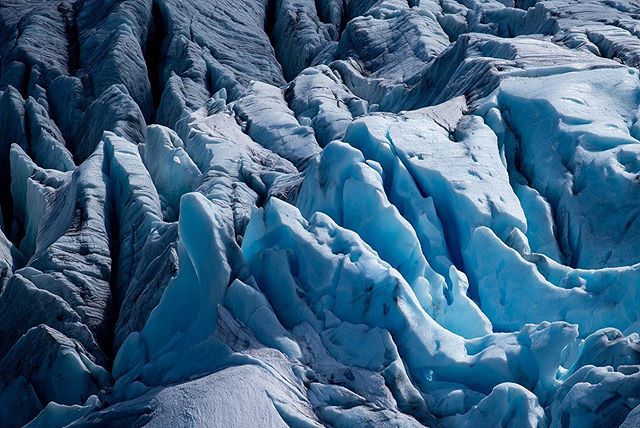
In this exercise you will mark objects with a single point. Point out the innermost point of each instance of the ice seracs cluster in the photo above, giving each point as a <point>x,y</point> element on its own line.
<point>316,213</point>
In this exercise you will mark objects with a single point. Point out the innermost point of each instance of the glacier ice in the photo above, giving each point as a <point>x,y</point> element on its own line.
<point>171,169</point>
<point>135,209</point>
<point>319,97</point>
<point>593,146</point>
<point>351,192</point>
<point>269,120</point>
<point>320,213</point>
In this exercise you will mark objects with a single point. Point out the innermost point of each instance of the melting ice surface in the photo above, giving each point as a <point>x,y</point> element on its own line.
<point>308,213</point>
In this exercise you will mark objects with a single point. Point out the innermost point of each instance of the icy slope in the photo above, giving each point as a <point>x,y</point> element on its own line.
<point>320,213</point>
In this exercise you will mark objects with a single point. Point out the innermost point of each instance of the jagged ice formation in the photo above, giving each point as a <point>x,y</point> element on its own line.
<point>316,213</point>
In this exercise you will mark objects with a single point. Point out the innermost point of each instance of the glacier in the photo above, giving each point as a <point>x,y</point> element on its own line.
<point>307,213</point>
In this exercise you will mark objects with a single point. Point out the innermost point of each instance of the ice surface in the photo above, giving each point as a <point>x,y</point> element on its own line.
<point>172,170</point>
<point>158,264</point>
<point>136,203</point>
<point>319,213</point>
<point>239,49</point>
<point>349,190</point>
<point>592,156</point>
<point>317,95</point>
<point>343,276</point>
<point>460,168</point>
<point>510,403</point>
<point>113,111</point>
<point>10,258</point>
<point>298,28</point>
<point>110,42</point>
<point>79,234</point>
<point>270,123</point>
<point>185,317</point>
<point>63,373</point>
<point>47,142</point>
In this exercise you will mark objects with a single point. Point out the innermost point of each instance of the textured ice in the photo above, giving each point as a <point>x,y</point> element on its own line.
<point>298,27</point>
<point>221,27</point>
<point>270,123</point>
<point>320,213</point>
<point>135,209</point>
<point>113,111</point>
<point>67,376</point>
<point>318,97</point>
<point>351,191</point>
<point>183,323</point>
<point>592,156</point>
<point>171,169</point>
